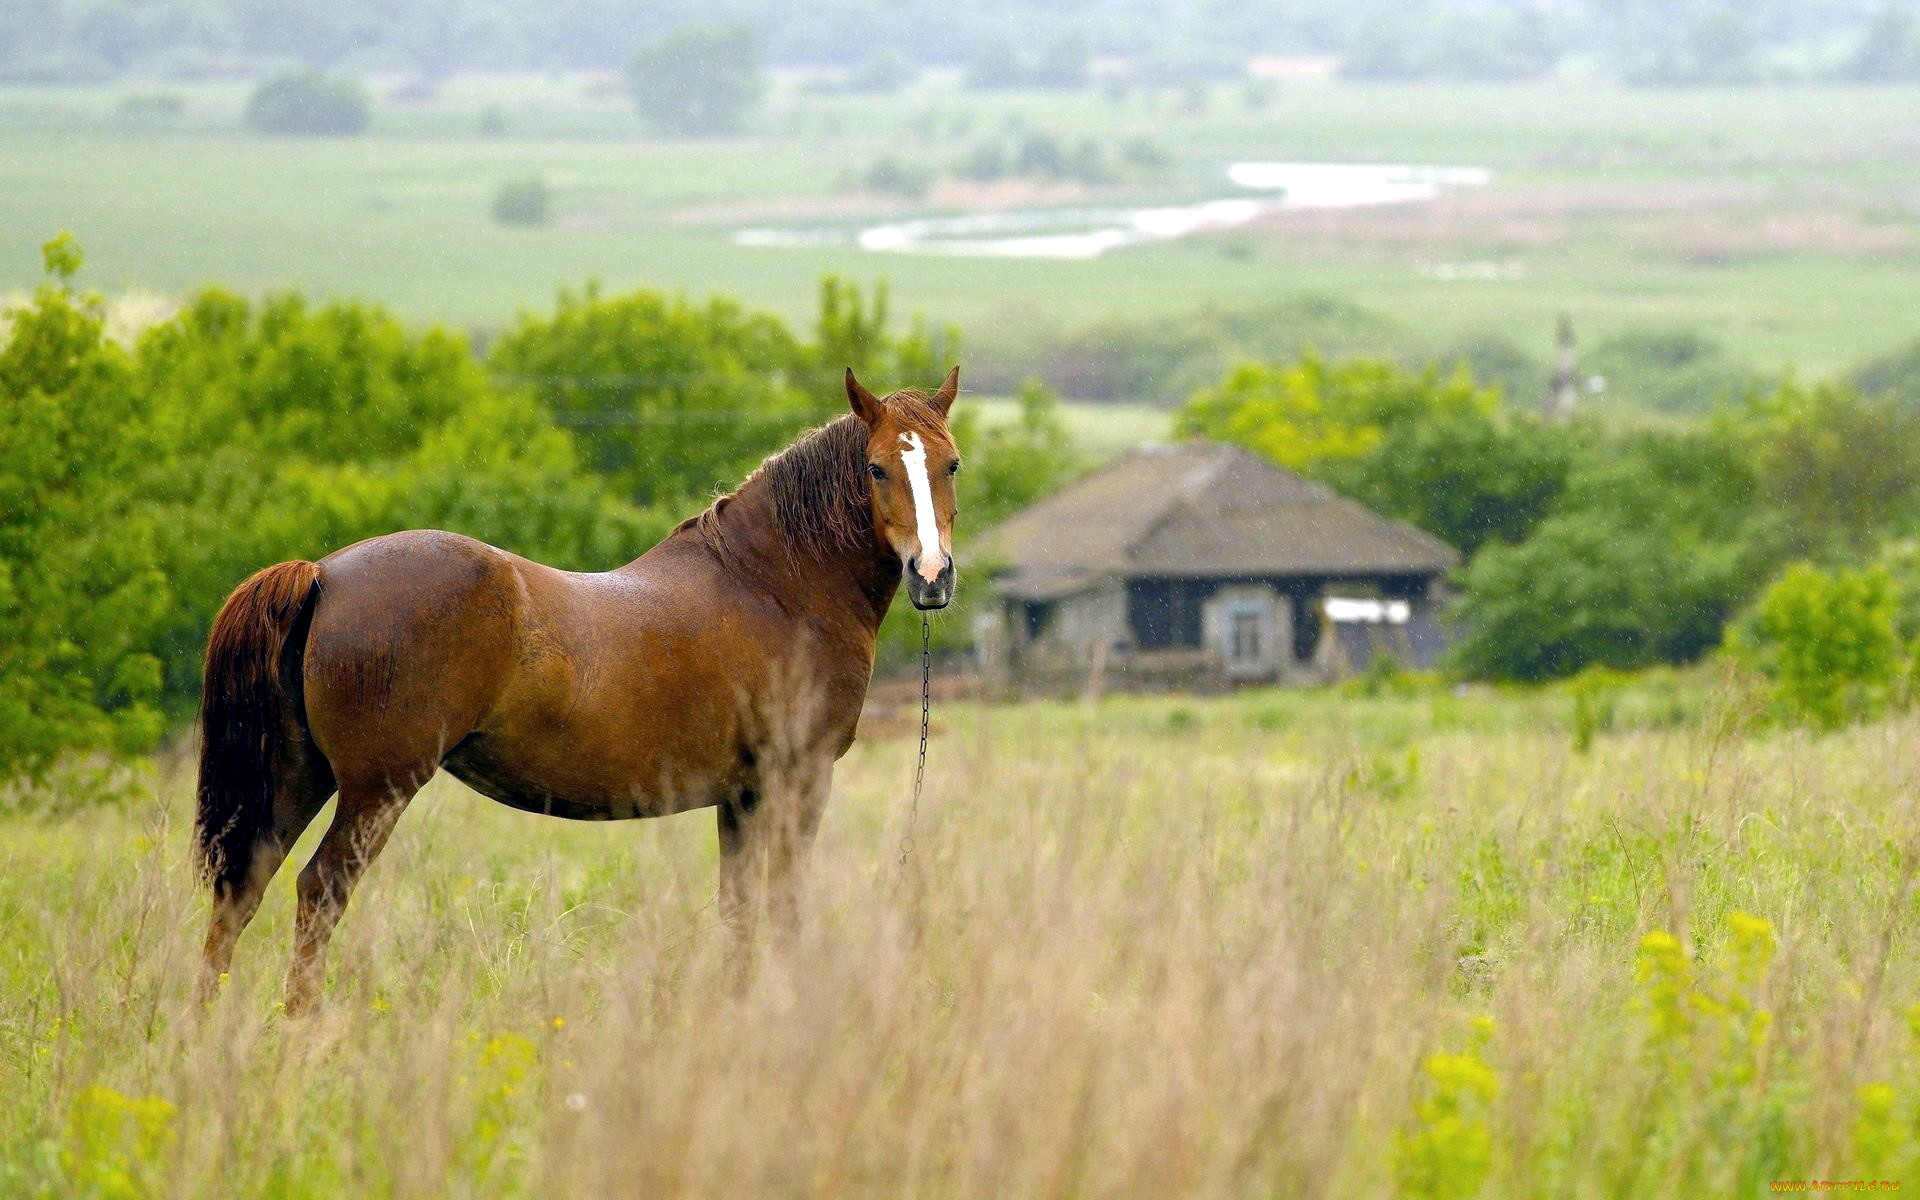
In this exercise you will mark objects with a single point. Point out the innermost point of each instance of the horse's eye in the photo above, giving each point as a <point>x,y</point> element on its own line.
<point>953,468</point>
<point>878,472</point>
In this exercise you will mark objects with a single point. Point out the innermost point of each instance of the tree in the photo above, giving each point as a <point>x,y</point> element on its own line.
<point>671,399</point>
<point>1311,412</point>
<point>699,80</point>
<point>308,103</point>
<point>81,590</point>
<point>1469,478</point>
<point>1656,540</point>
<point>1889,49</point>
<point>1587,590</point>
<point>1843,471</point>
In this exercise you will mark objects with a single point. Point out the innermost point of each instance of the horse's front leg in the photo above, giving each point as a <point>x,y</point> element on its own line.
<point>766,832</point>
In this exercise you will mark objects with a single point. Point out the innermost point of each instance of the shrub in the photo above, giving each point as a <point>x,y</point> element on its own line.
<point>522,202</point>
<point>891,175</point>
<point>984,163</point>
<point>308,103</point>
<point>1827,642</point>
<point>1667,370</point>
<point>150,107</point>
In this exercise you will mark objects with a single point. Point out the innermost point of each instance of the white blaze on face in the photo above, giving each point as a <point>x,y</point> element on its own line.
<point>915,458</point>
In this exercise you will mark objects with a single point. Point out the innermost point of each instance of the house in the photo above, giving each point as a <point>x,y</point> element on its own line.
<point>1201,563</point>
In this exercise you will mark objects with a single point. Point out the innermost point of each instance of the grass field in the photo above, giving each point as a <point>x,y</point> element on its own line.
<point>1276,944</point>
<point>1784,222</point>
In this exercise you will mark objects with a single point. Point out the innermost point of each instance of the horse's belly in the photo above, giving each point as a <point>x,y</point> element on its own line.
<point>582,791</point>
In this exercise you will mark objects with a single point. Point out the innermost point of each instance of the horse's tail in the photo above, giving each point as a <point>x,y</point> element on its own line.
<point>247,715</point>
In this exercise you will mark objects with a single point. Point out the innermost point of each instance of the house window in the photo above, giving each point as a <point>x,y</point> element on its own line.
<point>1036,614</point>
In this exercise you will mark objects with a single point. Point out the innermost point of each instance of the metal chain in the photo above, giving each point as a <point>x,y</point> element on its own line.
<point>926,709</point>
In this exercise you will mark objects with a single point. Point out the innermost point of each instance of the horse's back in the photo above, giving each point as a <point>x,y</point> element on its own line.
<point>413,636</point>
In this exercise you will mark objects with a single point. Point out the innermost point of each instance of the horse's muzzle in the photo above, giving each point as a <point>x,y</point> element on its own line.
<point>926,596</point>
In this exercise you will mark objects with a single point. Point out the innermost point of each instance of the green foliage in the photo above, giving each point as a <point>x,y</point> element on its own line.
<point>308,103</point>
<point>1469,477</point>
<point>139,486</point>
<point>852,331</point>
<point>1840,470</point>
<point>670,399</point>
<point>1447,1154</point>
<point>1827,642</point>
<point>1666,370</point>
<point>1718,46</point>
<point>1594,692</point>
<point>699,80</point>
<point>1168,358</point>
<point>1311,413</point>
<point>1496,45</point>
<point>1011,465</point>
<point>897,177</point>
<point>525,201</point>
<point>82,588</point>
<point>1894,376</point>
<point>999,64</point>
<point>114,1144</point>
<point>1428,449</point>
<point>1587,588</point>
<point>1656,540</point>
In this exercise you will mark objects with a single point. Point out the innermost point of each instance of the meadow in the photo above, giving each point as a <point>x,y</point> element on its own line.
<point>1782,222</point>
<point>1424,943</point>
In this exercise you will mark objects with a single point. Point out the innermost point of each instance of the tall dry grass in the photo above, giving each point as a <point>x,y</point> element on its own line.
<point>1251,947</point>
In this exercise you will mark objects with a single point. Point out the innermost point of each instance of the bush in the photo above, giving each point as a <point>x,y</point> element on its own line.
<point>150,107</point>
<point>1826,641</point>
<point>883,72</point>
<point>308,103</point>
<point>1667,370</point>
<point>522,202</point>
<point>985,163</point>
<point>891,175</point>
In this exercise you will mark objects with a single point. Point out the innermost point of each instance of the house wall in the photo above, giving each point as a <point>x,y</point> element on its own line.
<point>1274,617</point>
<point>1185,625</point>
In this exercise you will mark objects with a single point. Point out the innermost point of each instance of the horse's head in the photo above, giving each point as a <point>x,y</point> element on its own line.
<point>911,462</point>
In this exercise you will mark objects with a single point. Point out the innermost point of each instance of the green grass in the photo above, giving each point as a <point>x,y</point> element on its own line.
<point>1780,221</point>
<point>1275,943</point>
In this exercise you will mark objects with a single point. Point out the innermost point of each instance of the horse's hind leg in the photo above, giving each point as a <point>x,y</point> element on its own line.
<point>299,796</point>
<point>365,816</point>
<point>765,835</point>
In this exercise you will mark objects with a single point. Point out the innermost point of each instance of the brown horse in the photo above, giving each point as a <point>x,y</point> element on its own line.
<point>725,667</point>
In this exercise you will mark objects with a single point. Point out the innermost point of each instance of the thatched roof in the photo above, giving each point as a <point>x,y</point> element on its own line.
<point>1200,511</point>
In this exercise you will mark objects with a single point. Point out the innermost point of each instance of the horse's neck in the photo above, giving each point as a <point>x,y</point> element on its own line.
<point>830,583</point>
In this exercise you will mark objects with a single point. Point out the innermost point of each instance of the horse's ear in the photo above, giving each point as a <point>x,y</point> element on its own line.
<point>943,399</point>
<point>862,402</point>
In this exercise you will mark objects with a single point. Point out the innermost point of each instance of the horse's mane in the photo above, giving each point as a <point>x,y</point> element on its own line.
<point>817,487</point>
